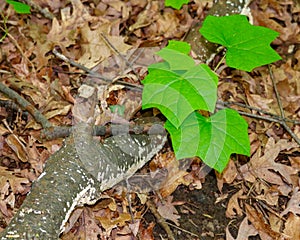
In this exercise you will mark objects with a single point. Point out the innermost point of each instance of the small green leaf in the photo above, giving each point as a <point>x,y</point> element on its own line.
<point>176,55</point>
<point>178,95</point>
<point>176,3</point>
<point>247,46</point>
<point>212,139</point>
<point>118,109</point>
<point>19,7</point>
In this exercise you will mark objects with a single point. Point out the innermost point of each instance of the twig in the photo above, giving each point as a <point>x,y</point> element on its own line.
<point>227,104</point>
<point>119,54</point>
<point>75,64</point>
<point>273,118</point>
<point>183,230</point>
<point>94,74</point>
<point>160,219</point>
<point>5,29</point>
<point>286,127</point>
<point>65,131</point>
<point>24,104</point>
<point>276,93</point>
<point>18,47</point>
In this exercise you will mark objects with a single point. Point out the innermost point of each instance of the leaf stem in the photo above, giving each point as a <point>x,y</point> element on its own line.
<point>5,29</point>
<point>219,63</point>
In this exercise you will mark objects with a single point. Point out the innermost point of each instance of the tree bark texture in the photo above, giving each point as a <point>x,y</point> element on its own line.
<point>62,186</point>
<point>76,175</point>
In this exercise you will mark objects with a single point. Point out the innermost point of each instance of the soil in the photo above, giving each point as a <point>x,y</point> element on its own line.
<point>205,217</point>
<point>200,216</point>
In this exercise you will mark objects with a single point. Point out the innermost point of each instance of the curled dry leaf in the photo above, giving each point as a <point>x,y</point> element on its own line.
<point>233,208</point>
<point>227,176</point>
<point>17,146</point>
<point>245,231</point>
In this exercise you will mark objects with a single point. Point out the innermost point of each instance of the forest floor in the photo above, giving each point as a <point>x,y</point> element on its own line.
<point>256,197</point>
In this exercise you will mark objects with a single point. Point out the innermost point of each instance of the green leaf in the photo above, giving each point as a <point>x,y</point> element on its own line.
<point>175,3</point>
<point>118,109</point>
<point>247,46</point>
<point>19,7</point>
<point>178,95</point>
<point>212,139</point>
<point>176,55</point>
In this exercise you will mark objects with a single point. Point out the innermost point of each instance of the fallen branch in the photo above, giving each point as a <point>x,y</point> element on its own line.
<point>25,105</point>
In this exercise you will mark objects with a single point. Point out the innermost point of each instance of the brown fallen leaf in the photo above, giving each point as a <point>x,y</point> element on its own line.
<point>88,229</point>
<point>17,146</point>
<point>167,210</point>
<point>233,207</point>
<point>256,218</point>
<point>292,229</point>
<point>64,33</point>
<point>96,44</point>
<point>147,233</point>
<point>265,167</point>
<point>17,184</point>
<point>293,203</point>
<point>227,176</point>
<point>109,223</point>
<point>245,231</point>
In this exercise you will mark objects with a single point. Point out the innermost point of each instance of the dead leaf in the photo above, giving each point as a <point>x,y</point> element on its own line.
<point>266,193</point>
<point>256,218</point>
<point>108,223</point>
<point>64,34</point>
<point>167,210</point>
<point>17,184</point>
<point>245,231</point>
<point>233,207</point>
<point>265,167</point>
<point>94,46</point>
<point>147,233</point>
<point>292,229</point>
<point>228,175</point>
<point>17,146</point>
<point>293,203</point>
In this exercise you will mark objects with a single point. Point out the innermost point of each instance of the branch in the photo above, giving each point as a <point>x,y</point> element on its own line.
<point>25,105</point>
<point>76,175</point>
<point>62,186</point>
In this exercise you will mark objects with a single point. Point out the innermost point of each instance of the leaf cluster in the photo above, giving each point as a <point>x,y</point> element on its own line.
<point>182,90</point>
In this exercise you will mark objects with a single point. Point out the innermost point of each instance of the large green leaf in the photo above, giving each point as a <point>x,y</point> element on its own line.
<point>177,95</point>
<point>247,46</point>
<point>212,139</point>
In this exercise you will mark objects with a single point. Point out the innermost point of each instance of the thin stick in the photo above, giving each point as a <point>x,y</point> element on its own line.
<point>94,74</point>
<point>75,64</point>
<point>286,127</point>
<point>37,115</point>
<point>162,222</point>
<point>227,104</point>
<point>276,92</point>
<point>119,54</point>
<point>183,230</point>
<point>18,47</point>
